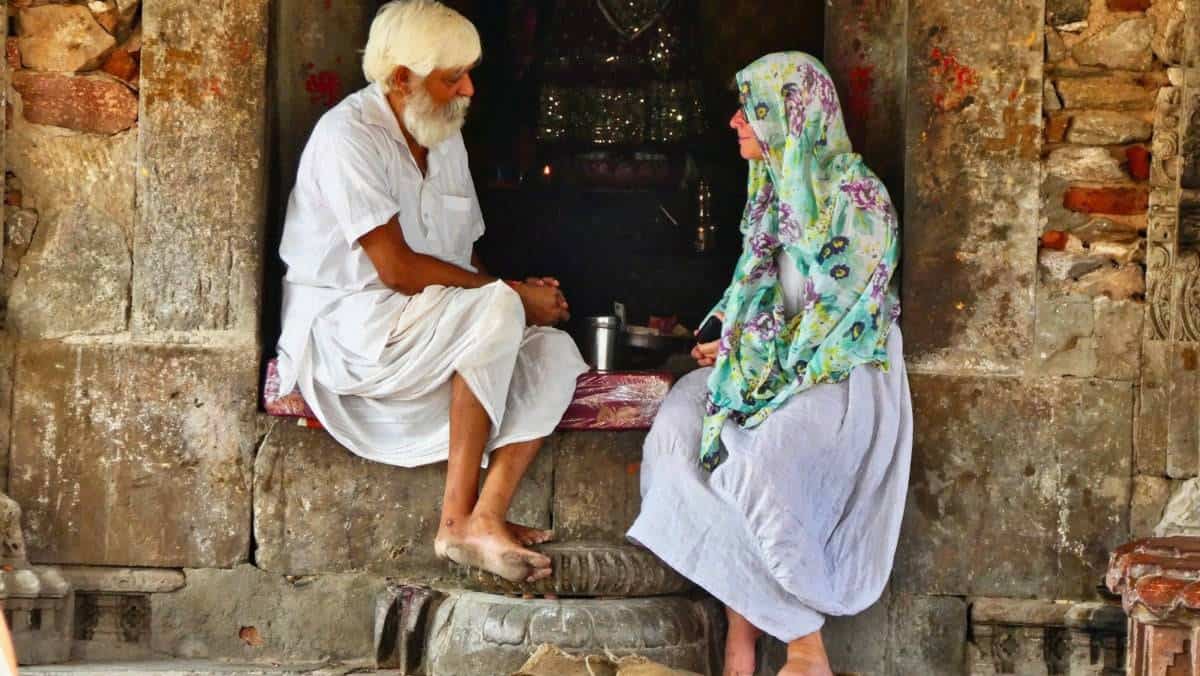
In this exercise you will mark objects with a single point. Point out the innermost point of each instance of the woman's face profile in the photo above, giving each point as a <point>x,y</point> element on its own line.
<point>747,142</point>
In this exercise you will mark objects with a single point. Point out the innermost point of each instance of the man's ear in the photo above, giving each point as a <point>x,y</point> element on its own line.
<point>400,78</point>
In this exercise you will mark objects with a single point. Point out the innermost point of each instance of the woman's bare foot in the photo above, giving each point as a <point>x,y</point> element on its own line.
<point>741,645</point>
<point>806,657</point>
<point>486,543</point>
<point>530,536</point>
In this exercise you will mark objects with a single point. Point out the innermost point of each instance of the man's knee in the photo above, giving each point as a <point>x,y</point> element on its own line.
<point>507,311</point>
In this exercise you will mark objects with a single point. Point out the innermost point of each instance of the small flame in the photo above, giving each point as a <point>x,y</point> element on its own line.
<point>546,170</point>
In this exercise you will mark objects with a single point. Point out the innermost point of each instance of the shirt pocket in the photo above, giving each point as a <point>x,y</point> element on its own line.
<point>458,231</point>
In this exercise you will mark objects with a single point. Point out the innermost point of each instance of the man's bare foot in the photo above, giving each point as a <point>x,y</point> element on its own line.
<point>530,536</point>
<point>806,657</point>
<point>486,543</point>
<point>741,645</point>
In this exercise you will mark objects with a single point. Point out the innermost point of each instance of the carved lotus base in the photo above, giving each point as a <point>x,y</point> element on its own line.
<point>590,569</point>
<point>421,631</point>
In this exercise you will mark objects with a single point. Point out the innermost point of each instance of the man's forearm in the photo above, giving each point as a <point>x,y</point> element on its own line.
<point>419,271</point>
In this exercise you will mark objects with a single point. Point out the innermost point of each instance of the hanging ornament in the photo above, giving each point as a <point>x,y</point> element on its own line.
<point>631,18</point>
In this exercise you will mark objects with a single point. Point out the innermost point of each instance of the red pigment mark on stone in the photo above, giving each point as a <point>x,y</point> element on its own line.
<point>862,80</point>
<point>1116,201</point>
<point>328,4</point>
<point>242,50</point>
<point>954,81</point>
<point>214,87</point>
<point>1139,162</point>
<point>324,87</point>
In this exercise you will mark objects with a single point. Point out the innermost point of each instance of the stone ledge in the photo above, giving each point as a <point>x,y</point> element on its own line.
<point>124,580</point>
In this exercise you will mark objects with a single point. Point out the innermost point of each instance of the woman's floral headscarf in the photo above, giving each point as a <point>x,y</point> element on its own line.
<point>814,198</point>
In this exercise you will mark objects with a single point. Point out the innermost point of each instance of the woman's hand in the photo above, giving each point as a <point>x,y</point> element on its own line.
<point>705,354</point>
<point>544,304</point>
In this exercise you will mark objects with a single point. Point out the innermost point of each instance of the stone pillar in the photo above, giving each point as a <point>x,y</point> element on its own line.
<point>202,175</point>
<point>135,376</point>
<point>865,52</point>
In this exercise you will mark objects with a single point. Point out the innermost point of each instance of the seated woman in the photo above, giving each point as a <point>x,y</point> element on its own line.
<point>776,479</point>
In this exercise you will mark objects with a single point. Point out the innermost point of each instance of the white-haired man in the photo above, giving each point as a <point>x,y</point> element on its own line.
<point>405,348</point>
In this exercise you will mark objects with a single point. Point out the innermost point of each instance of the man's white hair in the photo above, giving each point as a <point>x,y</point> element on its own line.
<point>421,35</point>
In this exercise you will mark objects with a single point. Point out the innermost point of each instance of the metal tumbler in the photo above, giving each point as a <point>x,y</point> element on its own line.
<point>602,341</point>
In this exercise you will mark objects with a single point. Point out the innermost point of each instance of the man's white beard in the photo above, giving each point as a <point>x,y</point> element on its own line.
<point>429,123</point>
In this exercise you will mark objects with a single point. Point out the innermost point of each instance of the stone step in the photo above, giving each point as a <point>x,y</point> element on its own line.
<point>170,667</point>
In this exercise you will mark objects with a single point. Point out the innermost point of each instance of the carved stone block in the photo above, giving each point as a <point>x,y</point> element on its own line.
<point>1040,638</point>
<point>472,633</point>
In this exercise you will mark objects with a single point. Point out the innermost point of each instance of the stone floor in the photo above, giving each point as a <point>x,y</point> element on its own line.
<point>197,668</point>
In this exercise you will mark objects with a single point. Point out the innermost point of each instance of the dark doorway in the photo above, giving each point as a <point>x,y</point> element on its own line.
<point>626,125</point>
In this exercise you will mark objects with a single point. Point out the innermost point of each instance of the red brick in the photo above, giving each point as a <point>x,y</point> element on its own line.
<point>1055,239</point>
<point>1128,5</point>
<point>1138,162</point>
<point>88,103</point>
<point>121,64</point>
<point>12,52</point>
<point>1116,201</point>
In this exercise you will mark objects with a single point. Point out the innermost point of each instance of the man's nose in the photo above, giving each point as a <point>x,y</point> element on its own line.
<point>466,87</point>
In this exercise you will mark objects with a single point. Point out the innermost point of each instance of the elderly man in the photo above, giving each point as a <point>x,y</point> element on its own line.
<point>405,348</point>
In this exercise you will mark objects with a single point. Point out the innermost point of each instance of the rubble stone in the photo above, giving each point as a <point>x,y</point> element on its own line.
<point>1059,12</point>
<point>1116,92</point>
<point>87,103</point>
<point>1170,22</point>
<point>1056,49</point>
<point>1123,46</point>
<point>1106,127</point>
<point>1068,265</point>
<point>121,64</point>
<point>1050,100</point>
<point>63,38</point>
<point>1121,283</point>
<point>1084,164</point>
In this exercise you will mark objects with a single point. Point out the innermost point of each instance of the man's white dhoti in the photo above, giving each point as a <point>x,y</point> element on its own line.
<point>373,364</point>
<point>394,409</point>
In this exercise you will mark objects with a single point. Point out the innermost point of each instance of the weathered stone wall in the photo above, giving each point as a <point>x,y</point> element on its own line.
<point>134,153</point>
<point>1047,153</point>
<point>1047,305</point>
